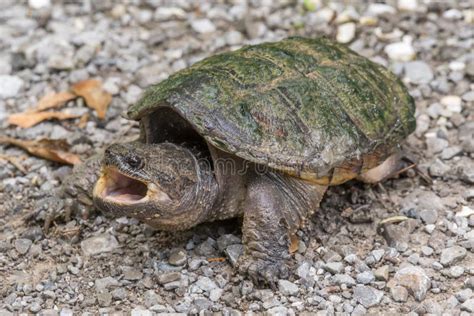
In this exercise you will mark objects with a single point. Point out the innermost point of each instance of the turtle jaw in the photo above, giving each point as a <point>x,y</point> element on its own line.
<point>116,187</point>
<point>120,189</point>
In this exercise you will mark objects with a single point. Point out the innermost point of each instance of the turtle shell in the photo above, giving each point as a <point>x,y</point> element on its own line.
<point>305,106</point>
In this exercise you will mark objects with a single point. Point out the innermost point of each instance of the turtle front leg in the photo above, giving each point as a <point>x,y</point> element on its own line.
<point>275,207</point>
<point>76,191</point>
<point>80,183</point>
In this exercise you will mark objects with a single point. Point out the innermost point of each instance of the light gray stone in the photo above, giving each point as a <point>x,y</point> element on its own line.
<point>207,248</point>
<point>234,38</point>
<point>451,152</point>
<point>382,273</point>
<point>365,277</point>
<point>415,280</point>
<point>233,252</point>
<point>367,296</point>
<point>168,277</point>
<point>464,295</point>
<point>429,216</point>
<point>140,312</point>
<point>287,288</point>
<point>10,86</point>
<point>150,298</point>
<point>203,26</point>
<point>334,267</point>
<point>468,96</point>
<point>400,51</point>
<point>407,5</point>
<point>340,279</point>
<point>132,274</point>
<point>452,103</point>
<point>418,72</point>
<point>39,4</point>
<point>169,13</point>
<point>226,240</point>
<point>66,312</point>
<point>206,284</point>
<point>104,299</point>
<point>177,257</point>
<point>5,65</point>
<point>468,305</point>
<point>452,255</point>
<point>456,271</point>
<point>277,311</point>
<point>215,294</point>
<point>399,293</point>
<point>105,283</point>
<point>99,244</point>
<point>436,144</point>
<point>427,251</point>
<point>376,9</point>
<point>22,245</point>
<point>346,32</point>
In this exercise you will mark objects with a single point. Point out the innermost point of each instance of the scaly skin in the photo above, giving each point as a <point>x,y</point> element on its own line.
<point>75,194</point>
<point>276,205</point>
<point>273,205</point>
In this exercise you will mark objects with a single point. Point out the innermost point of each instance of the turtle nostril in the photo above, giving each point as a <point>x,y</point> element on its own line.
<point>134,162</point>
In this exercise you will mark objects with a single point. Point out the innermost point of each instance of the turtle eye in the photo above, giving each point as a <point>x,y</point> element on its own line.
<point>134,162</point>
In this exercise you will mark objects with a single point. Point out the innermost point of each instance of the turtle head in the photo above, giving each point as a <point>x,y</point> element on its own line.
<point>164,185</point>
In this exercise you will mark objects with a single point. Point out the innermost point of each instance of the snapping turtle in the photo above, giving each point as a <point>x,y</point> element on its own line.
<point>261,133</point>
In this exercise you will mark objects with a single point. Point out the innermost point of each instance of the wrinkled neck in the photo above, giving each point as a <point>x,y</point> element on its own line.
<point>196,204</point>
<point>202,198</point>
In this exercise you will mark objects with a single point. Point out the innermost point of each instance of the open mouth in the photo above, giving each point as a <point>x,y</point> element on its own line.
<point>117,187</point>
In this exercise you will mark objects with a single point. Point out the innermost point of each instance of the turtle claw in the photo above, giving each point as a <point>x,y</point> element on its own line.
<point>263,272</point>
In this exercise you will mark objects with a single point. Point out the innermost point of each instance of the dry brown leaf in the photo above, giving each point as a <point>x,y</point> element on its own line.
<point>15,161</point>
<point>54,150</point>
<point>29,119</point>
<point>83,121</point>
<point>52,100</point>
<point>294,243</point>
<point>95,97</point>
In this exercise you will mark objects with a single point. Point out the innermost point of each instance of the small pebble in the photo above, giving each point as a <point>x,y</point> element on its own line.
<point>177,257</point>
<point>452,255</point>
<point>418,72</point>
<point>400,51</point>
<point>39,4</point>
<point>456,271</point>
<point>203,26</point>
<point>399,294</point>
<point>365,277</point>
<point>346,32</point>
<point>99,244</point>
<point>10,86</point>
<point>452,103</point>
<point>367,296</point>
<point>464,295</point>
<point>415,280</point>
<point>407,5</point>
<point>287,288</point>
<point>22,245</point>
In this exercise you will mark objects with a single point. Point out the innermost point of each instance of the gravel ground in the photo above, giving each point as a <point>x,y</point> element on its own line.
<point>347,262</point>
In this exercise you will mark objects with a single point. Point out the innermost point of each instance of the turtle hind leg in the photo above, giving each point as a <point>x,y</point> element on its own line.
<point>390,167</point>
